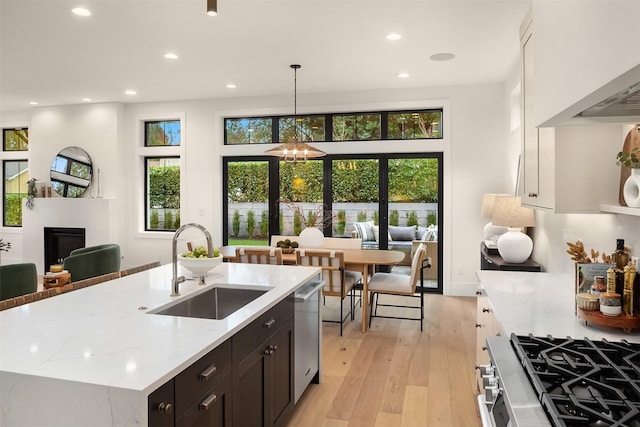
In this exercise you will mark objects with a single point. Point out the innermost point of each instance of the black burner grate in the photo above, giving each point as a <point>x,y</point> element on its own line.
<point>583,382</point>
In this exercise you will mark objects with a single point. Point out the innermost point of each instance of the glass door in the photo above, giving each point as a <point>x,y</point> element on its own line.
<point>413,211</point>
<point>246,220</point>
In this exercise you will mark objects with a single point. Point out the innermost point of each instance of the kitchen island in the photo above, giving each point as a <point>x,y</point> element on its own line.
<point>93,356</point>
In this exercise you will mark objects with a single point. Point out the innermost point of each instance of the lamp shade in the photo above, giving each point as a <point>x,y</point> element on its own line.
<point>509,212</point>
<point>491,231</point>
<point>488,204</point>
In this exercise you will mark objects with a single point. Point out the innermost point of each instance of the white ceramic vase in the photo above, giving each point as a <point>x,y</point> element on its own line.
<point>631,190</point>
<point>311,237</point>
<point>514,246</point>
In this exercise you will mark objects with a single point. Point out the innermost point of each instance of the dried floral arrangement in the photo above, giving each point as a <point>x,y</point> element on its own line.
<point>578,253</point>
<point>312,218</point>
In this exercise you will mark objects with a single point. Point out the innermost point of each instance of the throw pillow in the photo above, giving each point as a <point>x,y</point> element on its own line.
<point>421,232</point>
<point>376,232</point>
<point>364,230</point>
<point>402,233</point>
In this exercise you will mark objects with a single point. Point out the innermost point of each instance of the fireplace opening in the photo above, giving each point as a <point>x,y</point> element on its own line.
<point>59,242</point>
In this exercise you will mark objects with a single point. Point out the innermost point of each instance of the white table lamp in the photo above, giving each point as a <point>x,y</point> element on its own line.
<point>514,246</point>
<point>491,231</point>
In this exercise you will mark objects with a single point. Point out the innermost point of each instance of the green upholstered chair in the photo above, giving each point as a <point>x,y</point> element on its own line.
<point>93,261</point>
<point>18,279</point>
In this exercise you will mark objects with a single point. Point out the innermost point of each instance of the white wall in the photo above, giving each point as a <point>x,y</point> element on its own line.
<point>473,158</point>
<point>480,152</point>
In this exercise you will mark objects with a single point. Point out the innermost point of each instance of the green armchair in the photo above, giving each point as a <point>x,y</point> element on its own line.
<point>93,261</point>
<point>17,280</point>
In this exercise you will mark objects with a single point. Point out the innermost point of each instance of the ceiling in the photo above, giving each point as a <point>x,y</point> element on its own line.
<point>54,57</point>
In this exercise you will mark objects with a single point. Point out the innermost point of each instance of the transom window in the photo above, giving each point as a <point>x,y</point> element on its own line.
<point>15,139</point>
<point>160,133</point>
<point>365,126</point>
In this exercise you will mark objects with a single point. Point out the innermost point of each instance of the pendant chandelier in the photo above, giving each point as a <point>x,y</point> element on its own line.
<point>295,151</point>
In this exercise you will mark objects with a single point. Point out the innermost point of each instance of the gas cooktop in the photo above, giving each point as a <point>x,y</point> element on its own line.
<point>583,382</point>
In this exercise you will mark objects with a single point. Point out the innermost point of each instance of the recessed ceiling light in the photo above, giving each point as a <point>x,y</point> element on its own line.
<point>393,36</point>
<point>86,99</point>
<point>231,86</point>
<point>81,11</point>
<point>170,55</point>
<point>130,92</point>
<point>33,103</point>
<point>403,75</point>
<point>442,56</point>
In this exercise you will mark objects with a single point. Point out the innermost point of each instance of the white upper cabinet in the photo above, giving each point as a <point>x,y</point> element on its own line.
<point>567,169</point>
<point>585,51</point>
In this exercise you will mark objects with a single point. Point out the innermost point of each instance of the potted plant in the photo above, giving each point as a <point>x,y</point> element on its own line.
<point>629,159</point>
<point>631,189</point>
<point>4,246</point>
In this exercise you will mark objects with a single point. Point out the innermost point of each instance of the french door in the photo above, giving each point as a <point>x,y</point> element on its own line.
<point>394,193</point>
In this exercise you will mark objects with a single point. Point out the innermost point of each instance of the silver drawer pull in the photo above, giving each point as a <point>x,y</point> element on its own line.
<point>204,406</point>
<point>270,323</point>
<point>204,375</point>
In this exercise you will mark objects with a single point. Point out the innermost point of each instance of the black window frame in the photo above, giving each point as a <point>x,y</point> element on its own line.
<point>4,193</point>
<point>328,119</point>
<point>4,138</point>
<point>150,122</point>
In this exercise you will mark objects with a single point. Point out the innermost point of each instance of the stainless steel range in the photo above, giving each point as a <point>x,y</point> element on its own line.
<point>547,381</point>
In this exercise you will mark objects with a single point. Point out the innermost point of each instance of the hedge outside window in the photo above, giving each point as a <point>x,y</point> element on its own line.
<point>162,193</point>
<point>16,175</point>
<point>15,139</point>
<point>162,133</point>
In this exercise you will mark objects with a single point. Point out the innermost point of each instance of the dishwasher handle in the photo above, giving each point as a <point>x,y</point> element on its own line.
<point>309,290</point>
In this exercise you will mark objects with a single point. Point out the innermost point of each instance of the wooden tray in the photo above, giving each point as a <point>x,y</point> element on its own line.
<point>624,322</point>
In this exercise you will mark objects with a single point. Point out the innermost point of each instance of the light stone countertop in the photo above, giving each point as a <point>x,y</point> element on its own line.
<point>541,304</point>
<point>94,351</point>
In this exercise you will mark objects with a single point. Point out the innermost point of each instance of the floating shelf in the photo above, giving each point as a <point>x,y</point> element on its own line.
<point>620,210</point>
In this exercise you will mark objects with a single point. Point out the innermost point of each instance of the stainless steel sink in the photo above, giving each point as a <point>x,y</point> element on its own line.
<point>216,303</point>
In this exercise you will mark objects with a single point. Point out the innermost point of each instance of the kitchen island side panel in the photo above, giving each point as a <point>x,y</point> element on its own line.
<point>29,400</point>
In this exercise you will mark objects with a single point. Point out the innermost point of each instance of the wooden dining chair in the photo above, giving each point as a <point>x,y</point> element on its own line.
<point>401,285</point>
<point>338,282</point>
<point>271,256</point>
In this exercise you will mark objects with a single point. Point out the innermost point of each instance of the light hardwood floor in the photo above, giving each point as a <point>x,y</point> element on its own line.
<point>394,375</point>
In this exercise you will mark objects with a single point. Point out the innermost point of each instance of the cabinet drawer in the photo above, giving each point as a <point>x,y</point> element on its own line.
<point>213,409</point>
<point>258,331</point>
<point>192,383</point>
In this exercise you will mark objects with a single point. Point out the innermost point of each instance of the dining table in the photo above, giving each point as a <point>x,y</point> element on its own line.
<point>360,260</point>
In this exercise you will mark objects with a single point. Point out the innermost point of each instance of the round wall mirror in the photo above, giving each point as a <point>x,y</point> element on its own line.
<point>71,172</point>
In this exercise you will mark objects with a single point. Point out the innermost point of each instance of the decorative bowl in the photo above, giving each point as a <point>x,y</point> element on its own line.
<point>199,266</point>
<point>611,310</point>
<point>587,301</point>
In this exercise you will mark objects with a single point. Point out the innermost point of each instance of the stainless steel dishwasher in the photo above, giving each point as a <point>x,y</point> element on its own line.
<point>308,336</point>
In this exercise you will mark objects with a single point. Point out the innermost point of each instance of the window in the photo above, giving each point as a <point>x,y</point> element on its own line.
<point>162,133</point>
<point>357,127</point>
<point>15,139</point>
<point>16,175</point>
<point>309,128</point>
<point>366,126</point>
<point>415,125</point>
<point>162,192</point>
<point>15,169</point>
<point>248,131</point>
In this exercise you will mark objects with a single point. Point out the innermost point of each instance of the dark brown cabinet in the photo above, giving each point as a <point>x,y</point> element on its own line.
<point>263,353</point>
<point>246,381</point>
<point>160,405</point>
<point>198,396</point>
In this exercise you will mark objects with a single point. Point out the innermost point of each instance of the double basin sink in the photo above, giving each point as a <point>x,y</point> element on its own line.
<point>215,303</point>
